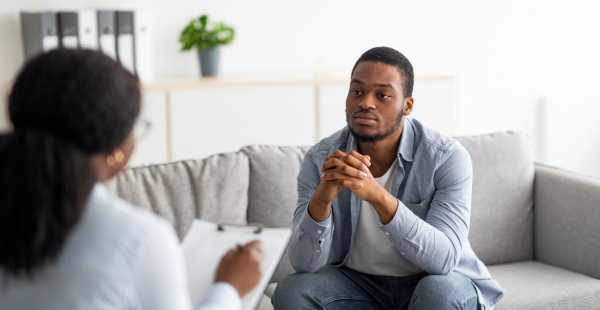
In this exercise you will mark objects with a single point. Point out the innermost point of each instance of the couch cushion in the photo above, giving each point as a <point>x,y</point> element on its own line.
<point>533,285</point>
<point>213,189</point>
<point>272,194</point>
<point>501,228</point>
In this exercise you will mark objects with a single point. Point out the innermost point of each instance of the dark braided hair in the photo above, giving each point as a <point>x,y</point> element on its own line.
<point>65,106</point>
<point>394,58</point>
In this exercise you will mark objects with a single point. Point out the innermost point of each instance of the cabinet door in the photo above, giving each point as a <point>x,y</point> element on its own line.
<point>210,121</point>
<point>434,106</point>
<point>151,148</point>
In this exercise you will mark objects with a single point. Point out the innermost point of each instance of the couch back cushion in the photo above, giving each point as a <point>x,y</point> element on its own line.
<point>272,195</point>
<point>213,189</point>
<point>501,228</point>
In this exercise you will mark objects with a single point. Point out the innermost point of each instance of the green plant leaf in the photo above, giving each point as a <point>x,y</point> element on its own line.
<point>195,34</point>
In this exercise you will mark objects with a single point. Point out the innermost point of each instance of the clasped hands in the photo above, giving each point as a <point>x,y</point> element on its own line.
<point>350,170</point>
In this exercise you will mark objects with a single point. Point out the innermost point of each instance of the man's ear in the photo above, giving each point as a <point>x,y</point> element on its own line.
<point>408,105</point>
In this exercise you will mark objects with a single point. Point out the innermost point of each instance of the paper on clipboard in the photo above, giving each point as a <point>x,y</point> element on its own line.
<point>204,246</point>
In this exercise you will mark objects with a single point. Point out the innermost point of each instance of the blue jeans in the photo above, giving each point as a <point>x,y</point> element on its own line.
<point>344,288</point>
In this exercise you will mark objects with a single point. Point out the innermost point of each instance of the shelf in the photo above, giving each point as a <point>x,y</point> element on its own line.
<point>245,81</point>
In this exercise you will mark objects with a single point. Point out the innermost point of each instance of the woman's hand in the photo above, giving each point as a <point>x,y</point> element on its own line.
<point>241,268</point>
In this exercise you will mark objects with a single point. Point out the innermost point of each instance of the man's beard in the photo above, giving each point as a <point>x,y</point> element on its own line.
<point>379,135</point>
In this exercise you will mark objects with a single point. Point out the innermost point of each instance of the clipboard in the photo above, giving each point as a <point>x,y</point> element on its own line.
<point>206,243</point>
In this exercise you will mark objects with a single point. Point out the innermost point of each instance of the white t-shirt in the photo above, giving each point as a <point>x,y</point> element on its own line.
<point>372,251</point>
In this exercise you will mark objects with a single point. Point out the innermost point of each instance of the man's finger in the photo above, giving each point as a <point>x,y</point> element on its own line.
<point>335,154</point>
<point>346,160</point>
<point>361,158</point>
<point>332,175</point>
<point>349,170</point>
<point>349,184</point>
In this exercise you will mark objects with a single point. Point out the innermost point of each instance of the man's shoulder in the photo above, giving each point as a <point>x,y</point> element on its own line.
<point>433,139</point>
<point>336,141</point>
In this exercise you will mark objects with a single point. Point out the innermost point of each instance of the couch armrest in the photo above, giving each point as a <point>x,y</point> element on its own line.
<point>567,220</point>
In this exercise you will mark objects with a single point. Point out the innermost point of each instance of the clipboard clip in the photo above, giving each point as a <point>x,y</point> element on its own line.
<point>255,228</point>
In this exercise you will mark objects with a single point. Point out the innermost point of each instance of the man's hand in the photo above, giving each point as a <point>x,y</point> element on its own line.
<point>342,170</point>
<point>350,170</point>
<point>241,268</point>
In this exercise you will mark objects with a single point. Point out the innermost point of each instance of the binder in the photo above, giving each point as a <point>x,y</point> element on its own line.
<point>207,242</point>
<point>67,29</point>
<point>125,42</point>
<point>39,32</point>
<point>87,29</point>
<point>142,36</point>
<point>106,33</point>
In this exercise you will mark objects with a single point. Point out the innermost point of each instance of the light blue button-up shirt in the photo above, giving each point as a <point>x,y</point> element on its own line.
<point>117,257</point>
<point>433,184</point>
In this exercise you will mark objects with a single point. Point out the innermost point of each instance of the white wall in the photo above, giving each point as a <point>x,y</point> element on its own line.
<point>505,55</point>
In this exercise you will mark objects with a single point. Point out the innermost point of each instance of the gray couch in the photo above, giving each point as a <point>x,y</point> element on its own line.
<point>536,227</point>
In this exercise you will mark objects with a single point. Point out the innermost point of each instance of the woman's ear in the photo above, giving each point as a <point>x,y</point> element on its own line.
<point>109,165</point>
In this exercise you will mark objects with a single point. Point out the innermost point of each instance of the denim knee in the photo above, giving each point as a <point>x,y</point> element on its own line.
<point>295,291</point>
<point>453,291</point>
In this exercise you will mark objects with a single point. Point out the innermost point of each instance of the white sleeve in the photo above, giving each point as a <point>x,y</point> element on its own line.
<point>221,296</point>
<point>161,281</point>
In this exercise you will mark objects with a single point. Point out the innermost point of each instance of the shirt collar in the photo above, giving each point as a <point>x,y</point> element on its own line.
<point>406,142</point>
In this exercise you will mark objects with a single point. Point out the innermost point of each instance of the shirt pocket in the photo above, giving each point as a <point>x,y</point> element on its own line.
<point>422,208</point>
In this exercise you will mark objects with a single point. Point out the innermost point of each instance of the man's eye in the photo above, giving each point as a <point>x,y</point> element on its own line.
<point>384,96</point>
<point>356,92</point>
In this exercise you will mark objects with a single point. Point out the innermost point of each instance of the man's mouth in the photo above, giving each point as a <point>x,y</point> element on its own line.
<point>365,118</point>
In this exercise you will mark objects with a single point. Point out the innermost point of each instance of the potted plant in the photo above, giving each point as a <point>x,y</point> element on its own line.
<point>206,37</point>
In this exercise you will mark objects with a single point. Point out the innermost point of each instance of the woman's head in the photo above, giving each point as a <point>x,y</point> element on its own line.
<point>73,112</point>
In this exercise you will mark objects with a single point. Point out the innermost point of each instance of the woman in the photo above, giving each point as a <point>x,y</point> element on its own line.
<point>65,242</point>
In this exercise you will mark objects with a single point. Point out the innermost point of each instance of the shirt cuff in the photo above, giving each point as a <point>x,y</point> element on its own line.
<point>401,224</point>
<point>221,295</point>
<point>315,230</point>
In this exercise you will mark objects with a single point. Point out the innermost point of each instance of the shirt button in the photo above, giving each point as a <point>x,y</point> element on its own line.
<point>318,231</point>
<point>327,226</point>
<point>387,233</point>
<point>318,251</point>
<point>402,253</point>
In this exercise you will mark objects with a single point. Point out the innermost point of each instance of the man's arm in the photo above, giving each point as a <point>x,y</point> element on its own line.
<point>310,242</point>
<point>435,244</point>
<point>312,224</point>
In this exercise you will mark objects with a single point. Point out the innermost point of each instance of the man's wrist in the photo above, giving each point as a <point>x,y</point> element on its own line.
<point>386,206</point>
<point>318,210</point>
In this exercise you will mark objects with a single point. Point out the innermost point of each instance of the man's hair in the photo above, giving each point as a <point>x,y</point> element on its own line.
<point>394,58</point>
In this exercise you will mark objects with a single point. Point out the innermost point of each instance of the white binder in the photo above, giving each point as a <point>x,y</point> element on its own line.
<point>87,24</point>
<point>67,25</point>
<point>106,33</point>
<point>125,43</point>
<point>40,33</point>
<point>142,35</point>
<point>205,244</point>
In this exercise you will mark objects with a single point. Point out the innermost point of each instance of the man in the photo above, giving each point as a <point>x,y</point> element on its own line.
<point>384,208</point>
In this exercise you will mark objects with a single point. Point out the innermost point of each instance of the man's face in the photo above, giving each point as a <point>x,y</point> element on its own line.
<point>375,103</point>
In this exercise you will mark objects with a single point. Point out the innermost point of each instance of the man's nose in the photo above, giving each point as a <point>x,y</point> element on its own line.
<point>368,102</point>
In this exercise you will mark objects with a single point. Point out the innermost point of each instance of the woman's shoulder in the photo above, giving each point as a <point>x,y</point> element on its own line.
<point>114,233</point>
